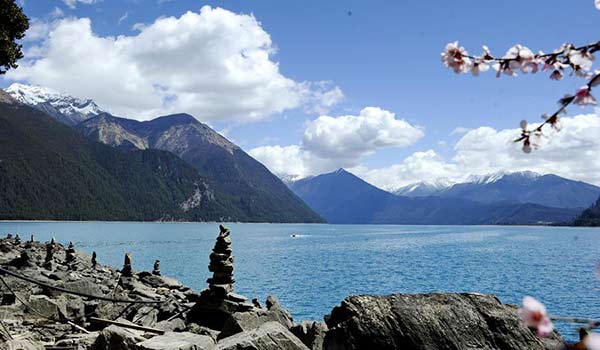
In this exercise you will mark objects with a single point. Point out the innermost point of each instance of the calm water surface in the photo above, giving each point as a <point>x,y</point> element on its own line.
<point>314,272</point>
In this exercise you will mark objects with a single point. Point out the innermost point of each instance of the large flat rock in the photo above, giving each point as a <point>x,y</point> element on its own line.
<point>269,336</point>
<point>444,321</point>
<point>177,341</point>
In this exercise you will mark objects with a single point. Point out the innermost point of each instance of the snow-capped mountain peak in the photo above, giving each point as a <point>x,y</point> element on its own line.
<point>494,177</point>
<point>66,109</point>
<point>423,188</point>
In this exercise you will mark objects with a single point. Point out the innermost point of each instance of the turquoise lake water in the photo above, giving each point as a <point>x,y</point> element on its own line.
<point>312,273</point>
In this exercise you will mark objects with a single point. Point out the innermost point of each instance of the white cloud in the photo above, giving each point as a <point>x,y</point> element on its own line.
<point>321,96</point>
<point>57,12</point>
<point>282,160</point>
<point>213,64</point>
<point>420,166</point>
<point>73,3</point>
<point>138,26</point>
<point>338,142</point>
<point>574,153</point>
<point>38,29</point>
<point>122,18</point>
<point>352,136</point>
<point>460,131</point>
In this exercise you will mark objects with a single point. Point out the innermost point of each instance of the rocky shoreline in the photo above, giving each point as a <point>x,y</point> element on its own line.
<point>57,298</point>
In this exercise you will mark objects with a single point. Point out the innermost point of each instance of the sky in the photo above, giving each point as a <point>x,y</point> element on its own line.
<point>307,87</point>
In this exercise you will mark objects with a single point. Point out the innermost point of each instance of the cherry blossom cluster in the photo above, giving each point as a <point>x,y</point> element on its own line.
<point>521,58</point>
<point>582,97</point>
<point>579,60</point>
<point>534,315</point>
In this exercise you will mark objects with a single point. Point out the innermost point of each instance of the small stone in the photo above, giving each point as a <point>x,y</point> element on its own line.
<point>236,297</point>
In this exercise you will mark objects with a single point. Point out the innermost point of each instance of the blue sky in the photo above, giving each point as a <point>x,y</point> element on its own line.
<point>384,54</point>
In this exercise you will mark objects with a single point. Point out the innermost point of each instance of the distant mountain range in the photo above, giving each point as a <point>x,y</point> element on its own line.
<point>525,187</point>
<point>245,189</point>
<point>176,168</point>
<point>341,197</point>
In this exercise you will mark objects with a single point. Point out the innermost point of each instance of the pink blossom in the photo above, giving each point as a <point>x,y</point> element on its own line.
<point>582,59</point>
<point>534,314</point>
<point>479,65</point>
<point>455,57</point>
<point>522,58</point>
<point>584,97</point>
<point>592,340</point>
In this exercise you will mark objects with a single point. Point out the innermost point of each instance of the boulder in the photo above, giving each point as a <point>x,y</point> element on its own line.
<point>269,336</point>
<point>83,286</point>
<point>195,328</point>
<point>429,321</point>
<point>283,316</point>
<point>178,341</point>
<point>159,281</point>
<point>117,338</point>
<point>146,316</point>
<point>176,324</point>
<point>213,312</point>
<point>244,321</point>
<point>46,306</point>
<point>311,333</point>
<point>21,344</point>
<point>78,341</point>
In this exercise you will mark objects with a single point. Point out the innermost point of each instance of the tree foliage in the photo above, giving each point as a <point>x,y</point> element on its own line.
<point>13,24</point>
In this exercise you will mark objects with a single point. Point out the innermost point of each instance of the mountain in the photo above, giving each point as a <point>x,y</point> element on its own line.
<point>66,109</point>
<point>343,198</point>
<point>48,171</point>
<point>526,187</point>
<point>589,217</point>
<point>422,189</point>
<point>256,192</point>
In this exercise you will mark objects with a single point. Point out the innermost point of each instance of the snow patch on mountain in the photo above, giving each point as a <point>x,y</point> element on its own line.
<point>495,177</point>
<point>66,109</point>
<point>423,188</point>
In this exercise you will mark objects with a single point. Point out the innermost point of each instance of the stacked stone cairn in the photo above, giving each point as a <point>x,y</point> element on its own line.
<point>221,265</point>
<point>156,268</point>
<point>127,270</point>
<point>70,254</point>
<point>219,301</point>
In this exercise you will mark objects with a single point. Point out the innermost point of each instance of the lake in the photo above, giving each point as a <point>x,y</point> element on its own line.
<point>315,271</point>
